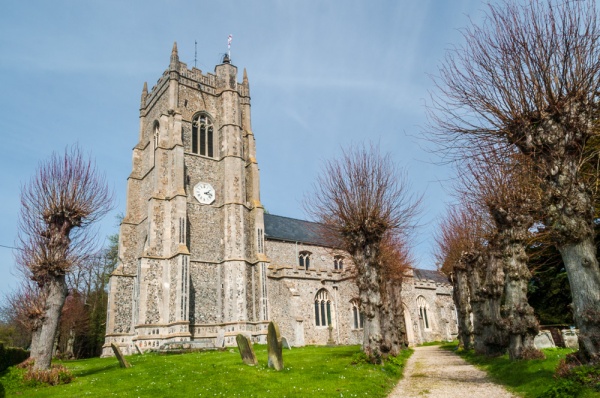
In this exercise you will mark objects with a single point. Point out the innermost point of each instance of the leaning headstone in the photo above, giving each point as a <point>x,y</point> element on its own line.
<point>570,338</point>
<point>544,340</point>
<point>274,347</point>
<point>285,344</point>
<point>220,339</point>
<point>246,350</point>
<point>137,348</point>
<point>122,362</point>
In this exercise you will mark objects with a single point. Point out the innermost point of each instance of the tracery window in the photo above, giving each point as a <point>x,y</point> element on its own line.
<point>322,308</point>
<point>338,262</point>
<point>304,259</point>
<point>423,307</point>
<point>357,316</point>
<point>202,136</point>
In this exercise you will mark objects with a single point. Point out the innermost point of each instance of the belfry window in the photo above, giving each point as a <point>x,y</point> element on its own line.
<point>202,136</point>
<point>357,316</point>
<point>304,259</point>
<point>338,262</point>
<point>322,308</point>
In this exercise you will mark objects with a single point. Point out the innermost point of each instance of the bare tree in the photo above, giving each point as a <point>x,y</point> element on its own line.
<point>506,186</point>
<point>360,199</point>
<point>460,234</point>
<point>57,207</point>
<point>25,307</point>
<point>395,260</point>
<point>529,76</point>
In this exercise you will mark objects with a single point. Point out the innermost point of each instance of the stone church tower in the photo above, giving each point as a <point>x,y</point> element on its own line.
<point>191,245</point>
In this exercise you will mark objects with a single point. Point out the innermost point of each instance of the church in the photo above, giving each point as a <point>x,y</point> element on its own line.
<point>200,258</point>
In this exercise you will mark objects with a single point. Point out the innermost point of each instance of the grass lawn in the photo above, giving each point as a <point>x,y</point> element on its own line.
<point>525,378</point>
<point>318,371</point>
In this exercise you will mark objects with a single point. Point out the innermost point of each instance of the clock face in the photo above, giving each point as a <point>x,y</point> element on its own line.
<point>204,193</point>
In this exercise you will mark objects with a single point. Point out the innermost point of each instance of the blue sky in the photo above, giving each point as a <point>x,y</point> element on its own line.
<point>323,75</point>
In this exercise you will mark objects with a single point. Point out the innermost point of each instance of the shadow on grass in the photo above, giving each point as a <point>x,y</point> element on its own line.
<point>92,371</point>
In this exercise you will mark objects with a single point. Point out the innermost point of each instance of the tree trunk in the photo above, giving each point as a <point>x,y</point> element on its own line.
<point>35,338</point>
<point>493,330</point>
<point>474,265</point>
<point>522,325</point>
<point>57,292</point>
<point>460,284</point>
<point>486,286</point>
<point>369,283</point>
<point>392,318</point>
<point>584,277</point>
<point>69,349</point>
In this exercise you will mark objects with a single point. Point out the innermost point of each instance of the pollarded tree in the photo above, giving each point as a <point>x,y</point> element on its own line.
<point>395,261</point>
<point>58,205</point>
<point>505,185</point>
<point>25,309</point>
<point>529,75</point>
<point>360,199</point>
<point>459,235</point>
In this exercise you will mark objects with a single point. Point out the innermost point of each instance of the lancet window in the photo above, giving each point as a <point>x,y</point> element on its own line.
<point>357,316</point>
<point>423,308</point>
<point>304,259</point>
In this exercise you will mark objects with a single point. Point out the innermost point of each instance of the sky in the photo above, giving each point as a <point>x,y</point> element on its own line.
<point>323,75</point>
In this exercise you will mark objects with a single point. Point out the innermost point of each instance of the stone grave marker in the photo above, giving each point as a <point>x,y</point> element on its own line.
<point>122,362</point>
<point>274,347</point>
<point>285,344</point>
<point>543,340</point>
<point>330,340</point>
<point>570,338</point>
<point>220,339</point>
<point>246,350</point>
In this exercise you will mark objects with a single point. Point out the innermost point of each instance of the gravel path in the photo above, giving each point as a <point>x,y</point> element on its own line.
<point>435,373</point>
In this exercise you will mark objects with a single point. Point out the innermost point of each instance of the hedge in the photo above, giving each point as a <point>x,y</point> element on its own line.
<point>10,356</point>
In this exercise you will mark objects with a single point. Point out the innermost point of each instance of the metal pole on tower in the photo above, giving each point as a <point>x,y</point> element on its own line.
<point>229,45</point>
<point>195,52</point>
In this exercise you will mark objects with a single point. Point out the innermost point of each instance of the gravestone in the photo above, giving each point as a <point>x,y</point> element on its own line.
<point>544,340</point>
<point>122,362</point>
<point>570,338</point>
<point>557,337</point>
<point>330,341</point>
<point>220,339</point>
<point>137,348</point>
<point>246,350</point>
<point>274,347</point>
<point>285,344</point>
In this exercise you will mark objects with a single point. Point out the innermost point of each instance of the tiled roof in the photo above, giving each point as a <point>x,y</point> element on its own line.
<point>430,275</point>
<point>292,230</point>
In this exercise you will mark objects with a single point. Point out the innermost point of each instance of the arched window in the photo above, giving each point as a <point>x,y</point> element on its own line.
<point>304,259</point>
<point>423,307</point>
<point>338,262</point>
<point>357,316</point>
<point>202,136</point>
<point>322,308</point>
